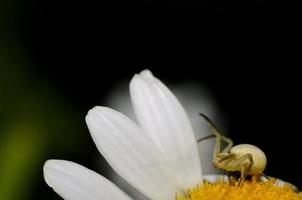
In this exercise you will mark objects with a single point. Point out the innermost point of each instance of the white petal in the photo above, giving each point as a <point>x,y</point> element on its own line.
<point>75,182</point>
<point>131,153</point>
<point>163,118</point>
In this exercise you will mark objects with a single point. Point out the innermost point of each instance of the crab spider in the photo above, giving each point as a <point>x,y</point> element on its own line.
<point>245,158</point>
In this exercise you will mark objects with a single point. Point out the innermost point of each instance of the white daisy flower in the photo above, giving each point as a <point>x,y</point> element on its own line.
<point>158,156</point>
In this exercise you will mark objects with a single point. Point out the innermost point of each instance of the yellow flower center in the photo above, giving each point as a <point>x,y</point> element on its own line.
<point>247,190</point>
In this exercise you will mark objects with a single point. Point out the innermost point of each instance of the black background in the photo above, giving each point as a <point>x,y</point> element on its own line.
<point>245,52</point>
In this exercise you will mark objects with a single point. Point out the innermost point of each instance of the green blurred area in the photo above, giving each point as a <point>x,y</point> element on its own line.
<point>34,118</point>
<point>34,115</point>
<point>36,124</point>
<point>19,160</point>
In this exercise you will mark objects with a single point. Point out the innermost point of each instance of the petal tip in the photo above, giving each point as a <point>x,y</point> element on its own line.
<point>142,76</point>
<point>97,110</point>
<point>146,73</point>
<point>48,167</point>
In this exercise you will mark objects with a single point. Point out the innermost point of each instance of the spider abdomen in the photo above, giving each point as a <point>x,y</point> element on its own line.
<point>259,158</point>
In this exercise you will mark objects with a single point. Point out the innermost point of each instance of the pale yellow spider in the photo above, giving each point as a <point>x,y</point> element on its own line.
<point>245,158</point>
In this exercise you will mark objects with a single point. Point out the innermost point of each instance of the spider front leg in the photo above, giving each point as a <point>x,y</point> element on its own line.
<point>219,138</point>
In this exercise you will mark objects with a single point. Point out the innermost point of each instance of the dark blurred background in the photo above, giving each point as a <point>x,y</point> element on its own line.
<point>58,59</point>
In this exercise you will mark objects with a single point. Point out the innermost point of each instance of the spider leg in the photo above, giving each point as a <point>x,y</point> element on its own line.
<point>229,142</point>
<point>219,137</point>
<point>222,160</point>
<point>224,156</point>
<point>244,167</point>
